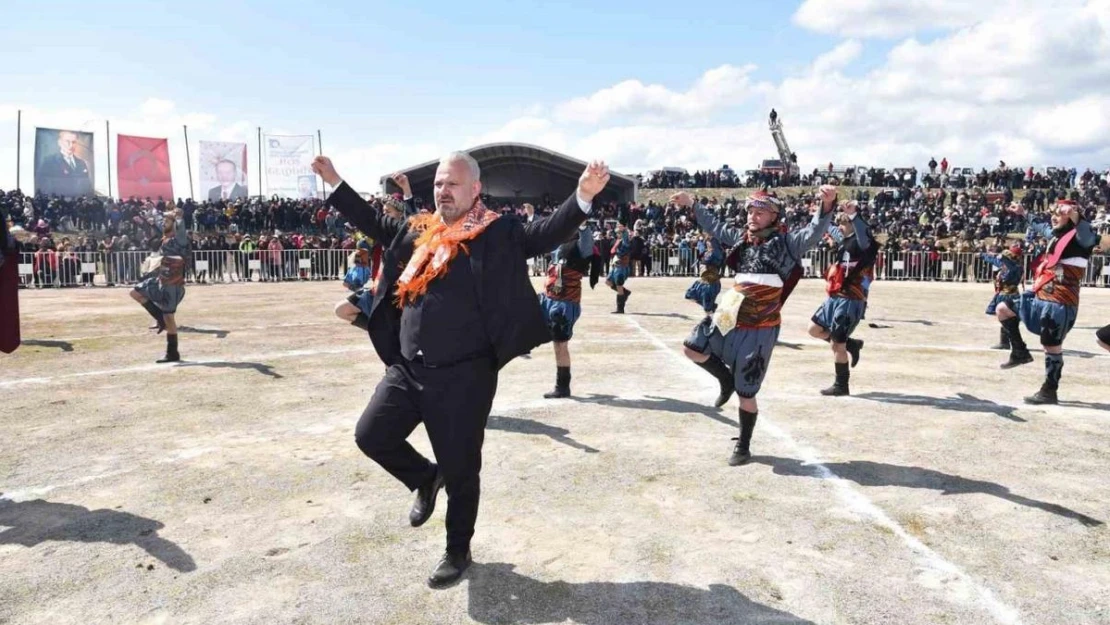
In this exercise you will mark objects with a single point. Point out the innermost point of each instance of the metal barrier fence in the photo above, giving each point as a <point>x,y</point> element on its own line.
<point>72,269</point>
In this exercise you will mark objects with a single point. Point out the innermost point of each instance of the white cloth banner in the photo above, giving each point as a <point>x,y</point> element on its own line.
<point>289,166</point>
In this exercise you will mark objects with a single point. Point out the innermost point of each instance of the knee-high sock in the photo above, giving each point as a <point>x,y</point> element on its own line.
<point>1053,370</point>
<point>1013,331</point>
<point>171,343</point>
<point>747,426</point>
<point>717,368</point>
<point>562,377</point>
<point>361,321</point>
<point>155,312</point>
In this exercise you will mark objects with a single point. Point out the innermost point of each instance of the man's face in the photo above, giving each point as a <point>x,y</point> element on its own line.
<point>1060,216</point>
<point>455,190</point>
<point>67,141</point>
<point>760,218</point>
<point>225,173</point>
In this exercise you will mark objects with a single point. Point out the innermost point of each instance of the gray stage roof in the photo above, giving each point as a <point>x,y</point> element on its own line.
<point>519,171</point>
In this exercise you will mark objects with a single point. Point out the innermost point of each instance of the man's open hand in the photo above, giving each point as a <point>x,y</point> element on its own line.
<point>593,180</point>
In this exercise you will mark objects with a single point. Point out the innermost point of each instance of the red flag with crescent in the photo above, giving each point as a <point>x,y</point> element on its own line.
<point>143,168</point>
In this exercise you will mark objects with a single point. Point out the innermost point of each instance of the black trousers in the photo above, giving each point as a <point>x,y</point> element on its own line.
<point>453,402</point>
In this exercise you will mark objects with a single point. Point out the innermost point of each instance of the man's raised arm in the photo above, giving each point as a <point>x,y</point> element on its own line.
<point>805,238</point>
<point>350,204</point>
<point>707,221</point>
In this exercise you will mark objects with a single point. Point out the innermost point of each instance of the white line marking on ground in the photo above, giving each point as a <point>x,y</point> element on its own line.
<point>23,494</point>
<point>859,502</point>
<point>154,367</point>
<point>247,358</point>
<point>231,330</point>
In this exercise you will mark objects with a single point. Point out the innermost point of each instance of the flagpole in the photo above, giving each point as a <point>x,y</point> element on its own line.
<point>18,144</point>
<point>108,133</point>
<point>320,145</point>
<point>189,162</point>
<point>260,161</point>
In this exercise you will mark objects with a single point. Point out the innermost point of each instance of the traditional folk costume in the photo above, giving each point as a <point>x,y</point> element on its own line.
<point>741,334</point>
<point>562,296</point>
<point>1007,282</point>
<point>707,287</point>
<point>848,282</point>
<point>1050,307</point>
<point>9,288</point>
<point>363,297</point>
<point>164,285</point>
<point>621,255</point>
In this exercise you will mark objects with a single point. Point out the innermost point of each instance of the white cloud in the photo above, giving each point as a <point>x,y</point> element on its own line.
<point>839,57</point>
<point>633,100</point>
<point>887,18</point>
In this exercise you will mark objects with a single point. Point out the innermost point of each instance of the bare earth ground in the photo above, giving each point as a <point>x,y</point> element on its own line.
<point>229,489</point>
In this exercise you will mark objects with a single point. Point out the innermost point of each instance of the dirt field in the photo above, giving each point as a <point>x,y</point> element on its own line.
<point>228,489</point>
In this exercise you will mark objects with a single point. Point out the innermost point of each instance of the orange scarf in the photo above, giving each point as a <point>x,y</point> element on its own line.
<point>436,247</point>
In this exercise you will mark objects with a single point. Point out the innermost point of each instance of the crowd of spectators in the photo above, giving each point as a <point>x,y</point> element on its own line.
<point>947,210</point>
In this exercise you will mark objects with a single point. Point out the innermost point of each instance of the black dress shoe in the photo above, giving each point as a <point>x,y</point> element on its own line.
<point>449,570</point>
<point>425,502</point>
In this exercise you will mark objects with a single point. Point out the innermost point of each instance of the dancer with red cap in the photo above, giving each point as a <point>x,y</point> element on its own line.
<point>1050,307</point>
<point>735,344</point>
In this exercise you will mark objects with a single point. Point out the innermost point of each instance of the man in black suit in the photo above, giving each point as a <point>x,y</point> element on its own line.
<point>64,174</point>
<point>226,173</point>
<point>453,305</point>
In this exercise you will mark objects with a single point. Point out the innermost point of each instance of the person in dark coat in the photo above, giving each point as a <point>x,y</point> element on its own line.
<point>453,305</point>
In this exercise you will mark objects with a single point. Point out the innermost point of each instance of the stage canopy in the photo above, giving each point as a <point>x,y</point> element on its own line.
<point>518,172</point>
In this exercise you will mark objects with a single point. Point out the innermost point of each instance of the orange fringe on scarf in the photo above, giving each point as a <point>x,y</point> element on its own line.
<point>436,247</point>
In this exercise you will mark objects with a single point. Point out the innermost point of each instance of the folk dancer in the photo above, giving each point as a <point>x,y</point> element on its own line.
<point>707,287</point>
<point>621,268</point>
<point>10,238</point>
<point>454,305</point>
<point>163,286</point>
<point>561,300</point>
<point>735,344</point>
<point>1050,307</point>
<point>1007,283</point>
<point>355,308</point>
<point>848,284</point>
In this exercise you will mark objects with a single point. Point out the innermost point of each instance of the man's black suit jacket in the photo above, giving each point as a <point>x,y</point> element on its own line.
<point>238,192</point>
<point>498,259</point>
<point>55,176</point>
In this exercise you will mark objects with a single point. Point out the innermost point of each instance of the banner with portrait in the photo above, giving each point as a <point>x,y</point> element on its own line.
<point>289,166</point>
<point>143,168</point>
<point>223,171</point>
<point>64,162</point>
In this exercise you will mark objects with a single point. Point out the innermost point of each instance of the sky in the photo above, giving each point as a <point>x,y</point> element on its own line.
<point>642,84</point>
